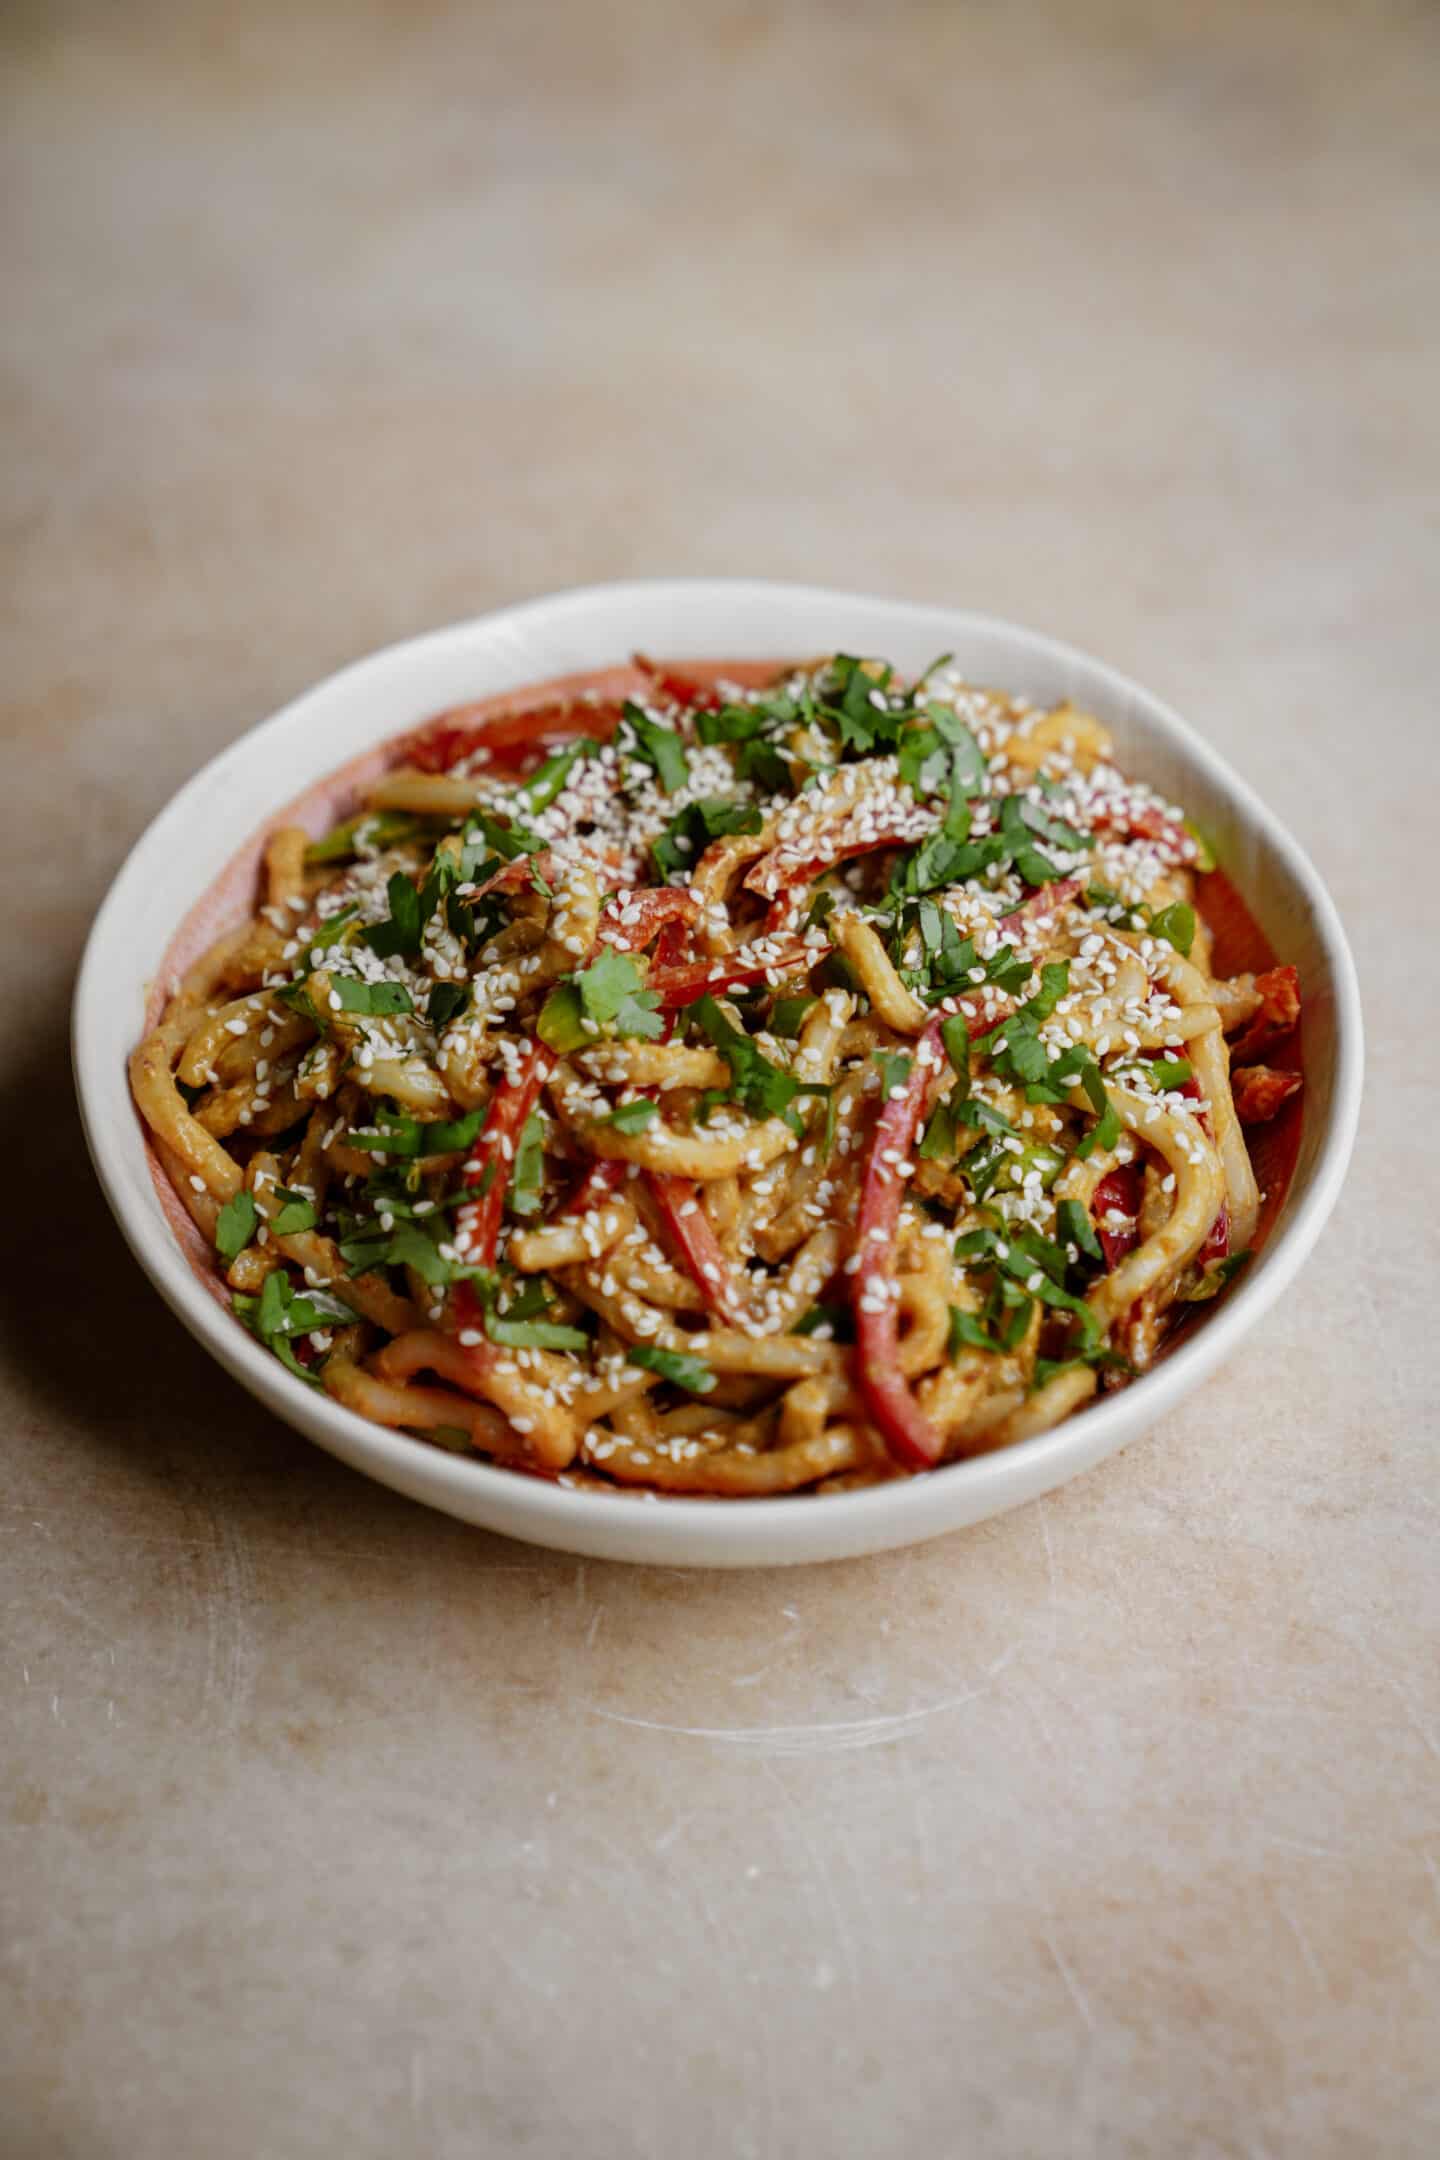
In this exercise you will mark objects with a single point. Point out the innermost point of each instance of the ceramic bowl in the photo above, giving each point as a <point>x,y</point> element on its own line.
<point>192,841</point>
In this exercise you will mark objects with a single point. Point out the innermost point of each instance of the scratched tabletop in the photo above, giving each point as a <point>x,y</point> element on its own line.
<point>329,1825</point>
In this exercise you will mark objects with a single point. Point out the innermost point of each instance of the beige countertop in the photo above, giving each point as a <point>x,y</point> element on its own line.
<point>330,1826</point>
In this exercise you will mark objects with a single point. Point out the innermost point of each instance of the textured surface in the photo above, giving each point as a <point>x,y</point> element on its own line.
<point>1109,1829</point>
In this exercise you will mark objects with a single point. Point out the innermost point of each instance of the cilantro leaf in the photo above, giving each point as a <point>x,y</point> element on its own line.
<point>296,1213</point>
<point>1075,1228</point>
<point>956,1037</point>
<point>446,1002</point>
<point>329,932</point>
<point>607,997</point>
<point>657,746</point>
<point>787,1014</point>
<point>940,1140</point>
<point>374,999</point>
<point>235,1225</point>
<point>686,837</point>
<point>485,836</point>
<point>632,1117</point>
<point>401,931</point>
<point>755,1083</point>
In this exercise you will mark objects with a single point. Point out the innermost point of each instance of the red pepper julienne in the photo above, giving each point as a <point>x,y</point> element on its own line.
<point>896,1415</point>
<point>683,985</point>
<point>688,1227</point>
<point>487,1174</point>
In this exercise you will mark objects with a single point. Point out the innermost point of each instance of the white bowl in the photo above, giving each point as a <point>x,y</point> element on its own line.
<point>192,839</point>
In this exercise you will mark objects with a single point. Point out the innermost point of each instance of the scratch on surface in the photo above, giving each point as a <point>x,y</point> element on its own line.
<point>1042,1510</point>
<point>1076,1992</point>
<point>1311,1961</point>
<point>800,1739</point>
<point>667,1837</point>
<point>824,1872</point>
<point>1414,1718</point>
<point>230,1646</point>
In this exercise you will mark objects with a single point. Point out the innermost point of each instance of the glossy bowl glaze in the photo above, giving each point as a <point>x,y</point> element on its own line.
<point>184,855</point>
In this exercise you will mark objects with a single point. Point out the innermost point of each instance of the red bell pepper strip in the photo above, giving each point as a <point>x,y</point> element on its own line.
<point>596,1186</point>
<point>515,876</point>
<point>682,985</point>
<point>671,943</point>
<point>780,871</point>
<point>1277,1014</point>
<point>678,1200</point>
<point>652,907</point>
<point>1217,1239</point>
<point>676,684</point>
<point>488,1165</point>
<point>783,910</point>
<point>1145,822</point>
<point>442,743</point>
<point>1119,1191</point>
<point>1046,901</point>
<point>894,1412</point>
<point>1260,1092</point>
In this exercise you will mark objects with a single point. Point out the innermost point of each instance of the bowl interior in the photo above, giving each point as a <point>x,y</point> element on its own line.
<point>237,796</point>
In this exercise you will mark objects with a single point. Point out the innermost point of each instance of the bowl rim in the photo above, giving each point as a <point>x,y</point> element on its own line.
<point>691,1530</point>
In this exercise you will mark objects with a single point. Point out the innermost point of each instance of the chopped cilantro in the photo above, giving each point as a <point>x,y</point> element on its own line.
<point>485,837</point>
<point>296,1213</point>
<point>657,746</point>
<point>754,1082</point>
<point>980,1115</point>
<point>401,931</point>
<point>940,1140</point>
<point>956,1038</point>
<point>632,1117</point>
<point>331,931</point>
<point>375,999</point>
<point>446,1002</point>
<point>235,1226</point>
<point>688,834</point>
<point>608,997</point>
<point>787,1015</point>
<point>1075,1228</point>
<point>281,1312</point>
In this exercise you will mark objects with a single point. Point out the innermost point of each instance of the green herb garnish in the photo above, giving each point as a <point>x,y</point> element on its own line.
<point>676,1366</point>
